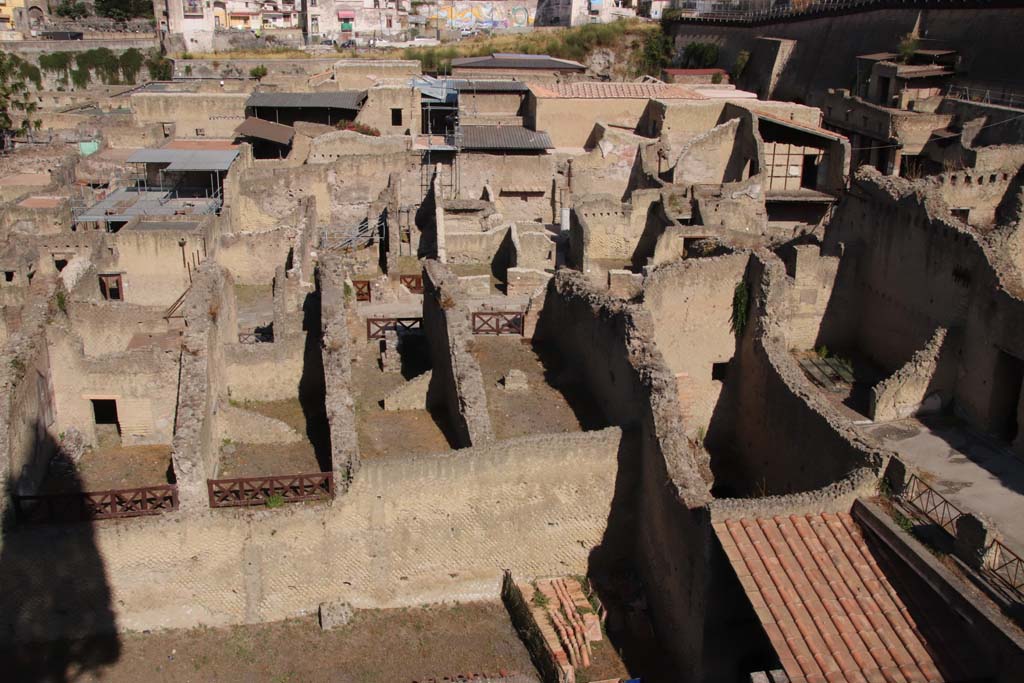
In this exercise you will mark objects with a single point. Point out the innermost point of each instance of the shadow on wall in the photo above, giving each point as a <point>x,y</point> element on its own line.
<point>312,386</point>
<point>613,578</point>
<point>55,603</point>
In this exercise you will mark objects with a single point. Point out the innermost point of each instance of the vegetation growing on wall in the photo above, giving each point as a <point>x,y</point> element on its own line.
<point>101,62</point>
<point>740,308</point>
<point>699,56</point>
<point>258,72</point>
<point>656,53</point>
<point>575,44</point>
<point>17,104</point>
<point>741,64</point>
<point>160,68</point>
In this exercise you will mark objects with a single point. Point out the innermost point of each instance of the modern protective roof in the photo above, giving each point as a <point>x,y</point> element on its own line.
<point>601,90</point>
<point>186,159</point>
<point>512,60</point>
<point>343,99</point>
<point>828,608</point>
<point>503,138</point>
<point>266,130</point>
<point>488,86</point>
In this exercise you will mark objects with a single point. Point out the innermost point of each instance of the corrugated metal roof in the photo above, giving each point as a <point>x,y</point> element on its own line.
<point>506,60</point>
<point>504,138</point>
<point>344,99</point>
<point>187,159</point>
<point>266,130</point>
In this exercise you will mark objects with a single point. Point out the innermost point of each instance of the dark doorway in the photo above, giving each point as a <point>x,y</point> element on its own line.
<point>809,174</point>
<point>104,411</point>
<point>1006,386</point>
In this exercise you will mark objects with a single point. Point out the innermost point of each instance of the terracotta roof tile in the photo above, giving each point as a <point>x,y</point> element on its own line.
<point>827,607</point>
<point>600,90</point>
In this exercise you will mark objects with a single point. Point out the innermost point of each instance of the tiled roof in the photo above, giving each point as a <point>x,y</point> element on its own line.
<point>600,90</point>
<point>487,86</point>
<point>828,609</point>
<point>503,138</point>
<point>511,60</point>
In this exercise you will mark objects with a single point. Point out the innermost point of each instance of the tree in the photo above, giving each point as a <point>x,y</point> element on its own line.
<point>258,72</point>
<point>17,101</point>
<point>123,10</point>
<point>656,53</point>
<point>72,10</point>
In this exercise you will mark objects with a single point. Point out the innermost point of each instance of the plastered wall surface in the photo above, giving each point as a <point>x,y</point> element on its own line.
<point>389,542</point>
<point>690,302</point>
<point>215,114</point>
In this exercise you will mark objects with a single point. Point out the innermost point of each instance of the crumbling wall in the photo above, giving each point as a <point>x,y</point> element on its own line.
<point>209,310</point>
<point>769,415</point>
<point>341,411</point>
<point>659,520</point>
<point>923,385</point>
<point>714,157</point>
<point>26,408</point>
<point>264,372</point>
<point>142,381</point>
<point>457,384</point>
<point>206,114</point>
<point>690,303</point>
<point>107,327</point>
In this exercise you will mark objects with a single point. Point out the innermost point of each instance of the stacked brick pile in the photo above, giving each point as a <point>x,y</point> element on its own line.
<point>566,621</point>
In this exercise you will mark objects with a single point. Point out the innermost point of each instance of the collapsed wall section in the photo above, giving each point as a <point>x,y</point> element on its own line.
<point>456,385</point>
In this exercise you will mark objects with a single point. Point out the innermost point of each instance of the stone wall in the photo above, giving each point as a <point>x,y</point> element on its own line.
<point>457,384</point>
<point>214,115</point>
<point>209,311</point>
<point>341,411</point>
<point>769,416</point>
<point>26,409</point>
<point>923,385</point>
<point>410,531</point>
<point>264,372</point>
<point>826,47</point>
<point>690,302</point>
<point>658,518</point>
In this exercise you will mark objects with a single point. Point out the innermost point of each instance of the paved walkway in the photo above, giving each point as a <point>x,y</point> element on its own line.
<point>972,471</point>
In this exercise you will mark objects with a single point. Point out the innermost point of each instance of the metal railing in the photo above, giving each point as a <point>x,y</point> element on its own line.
<point>376,327</point>
<point>288,488</point>
<point>986,95</point>
<point>1005,566</point>
<point>498,322</point>
<point>344,239</point>
<point>931,503</point>
<point>414,283</point>
<point>363,291</point>
<point>93,505</point>
<point>997,561</point>
<point>753,11</point>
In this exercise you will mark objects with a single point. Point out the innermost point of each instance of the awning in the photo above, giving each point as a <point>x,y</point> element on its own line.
<point>346,15</point>
<point>266,130</point>
<point>186,159</point>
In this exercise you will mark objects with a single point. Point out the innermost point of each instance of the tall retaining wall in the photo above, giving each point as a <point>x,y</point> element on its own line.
<point>826,47</point>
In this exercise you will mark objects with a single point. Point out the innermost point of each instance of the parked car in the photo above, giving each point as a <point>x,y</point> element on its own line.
<point>328,41</point>
<point>347,44</point>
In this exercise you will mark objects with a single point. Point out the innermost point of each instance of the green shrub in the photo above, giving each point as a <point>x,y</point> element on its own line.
<point>275,501</point>
<point>258,72</point>
<point>72,10</point>
<point>699,56</point>
<point>740,306</point>
<point>741,64</point>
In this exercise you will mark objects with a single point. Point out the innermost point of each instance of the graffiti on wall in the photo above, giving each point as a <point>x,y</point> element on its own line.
<point>482,15</point>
